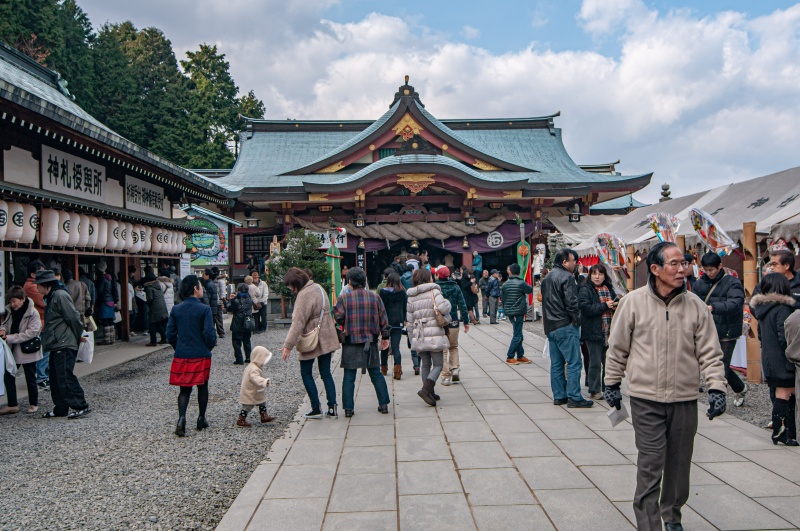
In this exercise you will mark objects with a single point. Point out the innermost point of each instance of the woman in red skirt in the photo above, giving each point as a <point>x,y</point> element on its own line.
<point>191,333</point>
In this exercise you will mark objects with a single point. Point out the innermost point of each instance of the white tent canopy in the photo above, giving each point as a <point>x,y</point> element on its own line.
<point>588,226</point>
<point>769,201</point>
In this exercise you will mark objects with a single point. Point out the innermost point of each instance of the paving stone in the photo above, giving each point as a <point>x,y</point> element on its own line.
<point>496,486</point>
<point>370,436</point>
<point>581,509</point>
<point>624,441</point>
<point>413,408</point>
<point>707,451</point>
<point>701,477</point>
<point>465,413</point>
<point>785,464</point>
<point>422,449</point>
<point>365,520</point>
<point>690,519</point>
<point>248,500</point>
<point>467,431</point>
<point>590,452</point>
<point>545,411</point>
<point>323,429</point>
<point>323,451</point>
<point>787,507</point>
<point>511,517</point>
<point>497,407</point>
<point>478,381</point>
<point>480,455</point>
<point>369,416</point>
<point>367,460</point>
<point>565,429</point>
<point>427,477</point>
<point>530,397</point>
<point>736,439</point>
<point>551,473</point>
<point>487,393</point>
<point>435,511</point>
<point>299,513</point>
<point>726,508</point>
<point>752,479</point>
<point>513,386</point>
<point>528,445</point>
<point>363,492</point>
<point>617,482</point>
<point>419,427</point>
<point>312,481</point>
<point>597,420</point>
<point>511,424</point>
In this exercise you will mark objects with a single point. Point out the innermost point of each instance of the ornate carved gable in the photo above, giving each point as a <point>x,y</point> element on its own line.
<point>407,127</point>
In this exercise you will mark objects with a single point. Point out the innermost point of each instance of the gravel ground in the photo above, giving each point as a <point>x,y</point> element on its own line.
<point>757,409</point>
<point>122,467</point>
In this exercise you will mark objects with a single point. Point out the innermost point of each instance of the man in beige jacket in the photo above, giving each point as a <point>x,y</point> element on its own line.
<point>663,338</point>
<point>792,331</point>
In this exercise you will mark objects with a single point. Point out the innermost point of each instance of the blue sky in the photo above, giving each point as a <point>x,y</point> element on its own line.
<point>700,93</point>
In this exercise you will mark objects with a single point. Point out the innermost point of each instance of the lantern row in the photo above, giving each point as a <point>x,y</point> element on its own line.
<point>20,222</point>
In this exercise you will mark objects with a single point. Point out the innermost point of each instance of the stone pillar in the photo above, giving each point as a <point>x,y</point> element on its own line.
<point>631,261</point>
<point>750,281</point>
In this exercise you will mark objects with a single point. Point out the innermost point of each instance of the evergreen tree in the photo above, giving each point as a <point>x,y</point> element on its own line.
<point>301,251</point>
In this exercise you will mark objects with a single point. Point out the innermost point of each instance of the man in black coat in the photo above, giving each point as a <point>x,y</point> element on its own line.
<point>211,299</point>
<point>724,295</point>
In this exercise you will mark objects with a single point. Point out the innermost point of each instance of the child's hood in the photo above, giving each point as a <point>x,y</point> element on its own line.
<point>260,356</point>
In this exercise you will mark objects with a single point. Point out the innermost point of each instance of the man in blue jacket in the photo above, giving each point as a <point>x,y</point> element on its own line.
<point>493,288</point>
<point>515,305</point>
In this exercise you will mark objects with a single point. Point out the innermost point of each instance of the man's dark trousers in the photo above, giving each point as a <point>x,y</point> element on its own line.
<point>65,390</point>
<point>516,339</point>
<point>262,318</point>
<point>665,441</point>
<point>493,310</point>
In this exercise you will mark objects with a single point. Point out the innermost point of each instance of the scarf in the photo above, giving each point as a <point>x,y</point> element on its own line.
<point>16,317</point>
<point>605,319</point>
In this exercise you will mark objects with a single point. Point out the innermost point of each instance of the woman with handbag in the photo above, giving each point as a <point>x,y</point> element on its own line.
<point>21,328</point>
<point>242,324</point>
<point>427,316</point>
<point>395,300</point>
<point>106,301</point>
<point>313,334</point>
<point>192,333</point>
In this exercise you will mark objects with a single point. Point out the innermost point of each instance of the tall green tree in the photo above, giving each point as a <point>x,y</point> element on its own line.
<point>302,251</point>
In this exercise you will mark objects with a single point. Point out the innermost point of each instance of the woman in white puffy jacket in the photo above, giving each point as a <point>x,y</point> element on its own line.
<point>168,288</point>
<point>428,339</point>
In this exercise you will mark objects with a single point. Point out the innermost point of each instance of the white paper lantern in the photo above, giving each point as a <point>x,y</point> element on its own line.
<point>3,219</point>
<point>178,242</point>
<point>83,231</point>
<point>91,231</point>
<point>131,243</point>
<point>182,242</point>
<point>124,237</point>
<point>136,240</point>
<point>142,237</point>
<point>148,240</point>
<point>158,239</point>
<point>102,233</point>
<point>15,222</point>
<point>74,232</point>
<point>48,227</point>
<point>63,228</point>
<point>112,243</point>
<point>30,220</point>
<point>173,237</point>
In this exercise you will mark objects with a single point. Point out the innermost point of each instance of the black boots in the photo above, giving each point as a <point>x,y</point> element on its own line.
<point>180,429</point>
<point>201,422</point>
<point>426,393</point>
<point>784,427</point>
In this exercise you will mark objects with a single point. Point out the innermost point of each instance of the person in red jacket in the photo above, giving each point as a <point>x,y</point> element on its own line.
<point>42,366</point>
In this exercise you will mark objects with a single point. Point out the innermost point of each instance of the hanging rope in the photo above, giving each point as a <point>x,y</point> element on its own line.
<point>418,230</point>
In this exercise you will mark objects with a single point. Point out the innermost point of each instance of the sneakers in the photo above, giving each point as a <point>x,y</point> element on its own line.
<point>349,413</point>
<point>313,414</point>
<point>512,361</point>
<point>332,412</point>
<point>738,398</point>
<point>78,413</point>
<point>596,396</point>
<point>456,375</point>
<point>446,381</point>
<point>44,385</point>
<point>416,371</point>
<point>523,359</point>
<point>580,403</point>
<point>384,408</point>
<point>559,401</point>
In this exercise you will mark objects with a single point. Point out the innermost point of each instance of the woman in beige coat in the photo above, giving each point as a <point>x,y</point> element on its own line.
<point>311,303</point>
<point>428,339</point>
<point>21,323</point>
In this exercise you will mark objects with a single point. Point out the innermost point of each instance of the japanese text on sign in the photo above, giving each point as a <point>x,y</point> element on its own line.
<point>144,197</point>
<point>325,238</point>
<point>68,174</point>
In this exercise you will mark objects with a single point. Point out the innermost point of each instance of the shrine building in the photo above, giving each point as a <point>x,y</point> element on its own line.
<point>409,181</point>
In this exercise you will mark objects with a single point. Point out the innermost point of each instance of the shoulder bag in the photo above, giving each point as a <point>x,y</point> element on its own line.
<point>32,345</point>
<point>308,342</point>
<point>441,320</point>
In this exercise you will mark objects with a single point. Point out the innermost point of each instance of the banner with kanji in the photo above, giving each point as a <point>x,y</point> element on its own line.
<point>524,261</point>
<point>334,259</point>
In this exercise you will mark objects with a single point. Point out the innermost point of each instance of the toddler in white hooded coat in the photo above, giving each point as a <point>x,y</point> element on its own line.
<point>254,387</point>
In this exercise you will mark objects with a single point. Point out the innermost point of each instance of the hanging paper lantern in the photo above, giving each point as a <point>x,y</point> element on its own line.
<point>142,235</point>
<point>136,244</point>
<point>30,223</point>
<point>15,222</point>
<point>74,229</point>
<point>83,231</point>
<point>158,240</point>
<point>112,244</point>
<point>148,240</point>
<point>172,241</point>
<point>48,232</point>
<point>63,228</point>
<point>123,237</point>
<point>184,242</point>
<point>102,233</point>
<point>3,219</point>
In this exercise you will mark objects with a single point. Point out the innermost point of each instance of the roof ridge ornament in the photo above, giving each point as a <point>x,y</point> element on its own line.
<point>406,91</point>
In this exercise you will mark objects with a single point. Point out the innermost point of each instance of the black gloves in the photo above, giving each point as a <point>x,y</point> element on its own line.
<point>716,403</point>
<point>613,396</point>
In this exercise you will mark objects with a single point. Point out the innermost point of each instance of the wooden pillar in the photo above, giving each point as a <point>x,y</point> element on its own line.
<point>466,258</point>
<point>631,261</point>
<point>680,240</point>
<point>124,303</point>
<point>750,281</point>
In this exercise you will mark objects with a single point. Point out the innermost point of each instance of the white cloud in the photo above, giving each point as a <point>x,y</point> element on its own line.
<point>700,101</point>
<point>470,32</point>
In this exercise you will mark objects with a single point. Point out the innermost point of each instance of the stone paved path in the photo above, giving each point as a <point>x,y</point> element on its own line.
<point>496,454</point>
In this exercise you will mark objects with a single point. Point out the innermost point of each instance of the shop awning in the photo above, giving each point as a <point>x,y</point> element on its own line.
<point>588,226</point>
<point>60,201</point>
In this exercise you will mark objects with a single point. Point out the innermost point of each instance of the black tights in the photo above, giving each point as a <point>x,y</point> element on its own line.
<point>186,393</point>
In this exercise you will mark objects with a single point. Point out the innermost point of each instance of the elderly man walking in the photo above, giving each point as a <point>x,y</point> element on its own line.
<point>664,339</point>
<point>562,327</point>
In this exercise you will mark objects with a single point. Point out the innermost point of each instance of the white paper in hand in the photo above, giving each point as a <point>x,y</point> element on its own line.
<point>617,415</point>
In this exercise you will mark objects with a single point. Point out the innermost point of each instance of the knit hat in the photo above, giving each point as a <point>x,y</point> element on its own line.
<point>101,266</point>
<point>443,272</point>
